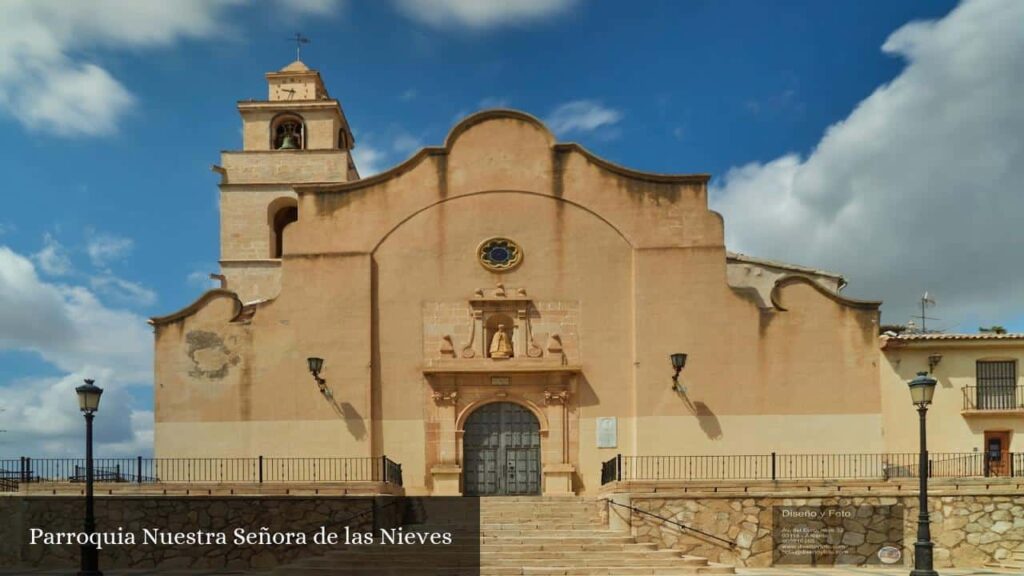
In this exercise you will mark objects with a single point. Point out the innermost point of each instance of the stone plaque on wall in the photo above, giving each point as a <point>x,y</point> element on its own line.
<point>832,535</point>
<point>607,432</point>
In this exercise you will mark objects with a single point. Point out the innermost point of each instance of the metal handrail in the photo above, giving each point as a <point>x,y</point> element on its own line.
<point>729,543</point>
<point>243,470</point>
<point>994,397</point>
<point>777,467</point>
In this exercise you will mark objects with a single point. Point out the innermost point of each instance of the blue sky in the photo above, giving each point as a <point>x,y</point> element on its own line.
<point>887,132</point>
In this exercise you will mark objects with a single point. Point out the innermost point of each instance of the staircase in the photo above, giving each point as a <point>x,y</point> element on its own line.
<point>519,536</point>
<point>565,536</point>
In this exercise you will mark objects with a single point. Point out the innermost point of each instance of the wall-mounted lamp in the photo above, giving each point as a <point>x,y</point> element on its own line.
<point>933,361</point>
<point>315,366</point>
<point>678,362</point>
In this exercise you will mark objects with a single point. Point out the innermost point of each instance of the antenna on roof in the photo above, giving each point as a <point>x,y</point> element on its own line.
<point>927,301</point>
<point>299,40</point>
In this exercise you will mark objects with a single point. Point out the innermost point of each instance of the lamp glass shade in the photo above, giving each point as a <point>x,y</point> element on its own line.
<point>922,389</point>
<point>315,364</point>
<point>678,360</point>
<point>89,397</point>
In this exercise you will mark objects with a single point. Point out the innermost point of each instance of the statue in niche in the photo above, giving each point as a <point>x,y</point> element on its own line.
<point>501,347</point>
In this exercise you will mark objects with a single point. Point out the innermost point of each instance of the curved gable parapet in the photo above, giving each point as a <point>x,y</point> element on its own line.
<point>462,126</point>
<point>632,173</point>
<point>478,118</point>
<point>198,305</point>
<point>800,279</point>
<point>506,150</point>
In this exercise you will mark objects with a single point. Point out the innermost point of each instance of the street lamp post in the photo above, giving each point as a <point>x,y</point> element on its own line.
<point>922,388</point>
<point>89,402</point>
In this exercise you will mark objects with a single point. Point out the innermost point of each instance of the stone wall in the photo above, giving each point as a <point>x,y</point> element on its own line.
<point>969,529</point>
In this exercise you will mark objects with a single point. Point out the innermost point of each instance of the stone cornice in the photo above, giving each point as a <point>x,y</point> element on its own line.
<point>482,116</point>
<point>799,279</point>
<point>194,307</point>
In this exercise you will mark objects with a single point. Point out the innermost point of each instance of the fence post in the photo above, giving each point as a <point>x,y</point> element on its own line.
<point>930,472</point>
<point>138,470</point>
<point>618,467</point>
<point>984,461</point>
<point>774,477</point>
<point>23,471</point>
<point>261,469</point>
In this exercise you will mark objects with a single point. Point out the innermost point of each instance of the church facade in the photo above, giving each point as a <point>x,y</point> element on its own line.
<point>498,313</point>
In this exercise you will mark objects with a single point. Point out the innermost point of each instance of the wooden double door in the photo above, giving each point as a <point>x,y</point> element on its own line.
<point>997,453</point>
<point>501,451</point>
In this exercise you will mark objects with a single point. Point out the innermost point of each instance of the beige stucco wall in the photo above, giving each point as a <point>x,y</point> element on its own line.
<point>638,259</point>
<point>950,429</point>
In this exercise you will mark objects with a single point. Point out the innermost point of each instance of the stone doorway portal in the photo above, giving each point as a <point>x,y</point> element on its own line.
<point>501,451</point>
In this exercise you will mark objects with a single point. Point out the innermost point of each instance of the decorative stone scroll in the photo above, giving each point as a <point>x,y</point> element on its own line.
<point>556,397</point>
<point>446,397</point>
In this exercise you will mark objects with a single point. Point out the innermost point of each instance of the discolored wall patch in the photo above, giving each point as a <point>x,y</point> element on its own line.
<point>210,356</point>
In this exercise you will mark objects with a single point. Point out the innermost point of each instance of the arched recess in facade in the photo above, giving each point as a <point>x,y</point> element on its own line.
<point>396,326</point>
<point>434,205</point>
<point>281,212</point>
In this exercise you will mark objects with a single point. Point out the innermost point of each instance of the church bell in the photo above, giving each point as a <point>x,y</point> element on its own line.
<point>288,143</point>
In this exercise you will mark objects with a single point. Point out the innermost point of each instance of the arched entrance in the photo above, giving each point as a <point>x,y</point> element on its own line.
<point>501,451</point>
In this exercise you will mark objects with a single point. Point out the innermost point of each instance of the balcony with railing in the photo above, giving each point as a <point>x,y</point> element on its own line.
<point>993,398</point>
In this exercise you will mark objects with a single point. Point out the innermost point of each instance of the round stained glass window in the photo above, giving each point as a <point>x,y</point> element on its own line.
<point>499,254</point>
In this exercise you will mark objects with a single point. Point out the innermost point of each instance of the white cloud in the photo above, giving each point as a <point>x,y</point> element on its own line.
<point>123,291</point>
<point>200,278</point>
<point>50,78</point>
<point>41,418</point>
<point>369,159</point>
<point>408,96</point>
<point>480,14</point>
<point>297,8</point>
<point>68,327</point>
<point>494,102</point>
<point>405,143</point>
<point>919,187</point>
<point>582,116</point>
<point>106,248</point>
<point>53,257</point>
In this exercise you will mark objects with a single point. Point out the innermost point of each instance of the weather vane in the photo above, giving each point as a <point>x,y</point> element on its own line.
<point>299,40</point>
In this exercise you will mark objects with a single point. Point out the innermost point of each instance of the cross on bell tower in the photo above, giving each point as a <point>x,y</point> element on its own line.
<point>299,40</point>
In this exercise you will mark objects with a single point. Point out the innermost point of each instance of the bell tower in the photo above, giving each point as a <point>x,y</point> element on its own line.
<point>298,135</point>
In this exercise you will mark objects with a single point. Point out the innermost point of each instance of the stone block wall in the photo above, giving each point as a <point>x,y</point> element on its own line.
<point>969,530</point>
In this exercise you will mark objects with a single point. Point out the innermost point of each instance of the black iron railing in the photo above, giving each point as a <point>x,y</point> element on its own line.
<point>994,397</point>
<point>675,523</point>
<point>776,466</point>
<point>257,470</point>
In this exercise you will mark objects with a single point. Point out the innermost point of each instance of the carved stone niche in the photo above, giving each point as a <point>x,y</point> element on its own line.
<point>500,328</point>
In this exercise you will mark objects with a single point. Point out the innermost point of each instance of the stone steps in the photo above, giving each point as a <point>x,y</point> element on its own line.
<point>519,536</point>
<point>525,536</point>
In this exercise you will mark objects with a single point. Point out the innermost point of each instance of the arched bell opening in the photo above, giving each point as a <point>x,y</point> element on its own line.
<point>288,132</point>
